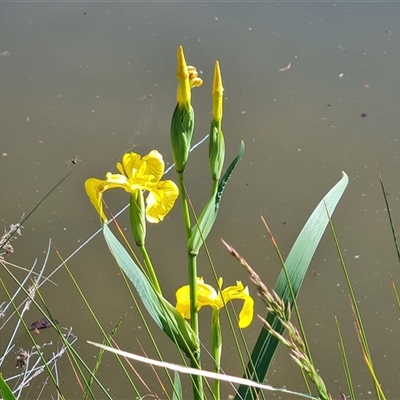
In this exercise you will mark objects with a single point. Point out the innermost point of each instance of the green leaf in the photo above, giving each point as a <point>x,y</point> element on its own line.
<point>209,214</point>
<point>6,393</point>
<point>163,313</point>
<point>177,387</point>
<point>296,264</point>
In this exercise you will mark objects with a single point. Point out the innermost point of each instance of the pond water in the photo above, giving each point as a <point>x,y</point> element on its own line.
<point>88,81</point>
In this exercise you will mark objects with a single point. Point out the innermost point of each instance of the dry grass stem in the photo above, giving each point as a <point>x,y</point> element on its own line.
<point>6,247</point>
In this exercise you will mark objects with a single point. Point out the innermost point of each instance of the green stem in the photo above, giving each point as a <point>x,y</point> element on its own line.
<point>150,269</point>
<point>216,350</point>
<point>194,314</point>
<point>192,260</point>
<point>195,361</point>
<point>185,206</point>
<point>194,322</point>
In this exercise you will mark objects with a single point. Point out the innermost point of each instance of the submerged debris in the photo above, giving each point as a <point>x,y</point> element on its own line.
<point>41,323</point>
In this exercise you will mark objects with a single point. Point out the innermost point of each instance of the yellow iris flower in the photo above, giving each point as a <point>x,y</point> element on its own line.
<point>137,173</point>
<point>208,296</point>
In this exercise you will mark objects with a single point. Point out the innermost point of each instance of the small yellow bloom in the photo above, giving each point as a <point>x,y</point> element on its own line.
<point>137,173</point>
<point>187,78</point>
<point>208,296</point>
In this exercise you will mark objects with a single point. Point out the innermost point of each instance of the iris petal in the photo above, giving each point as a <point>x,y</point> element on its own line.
<point>160,200</point>
<point>94,189</point>
<point>154,165</point>
<point>246,315</point>
<point>183,301</point>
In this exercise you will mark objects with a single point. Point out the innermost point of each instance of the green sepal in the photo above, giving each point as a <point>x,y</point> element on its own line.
<point>137,214</point>
<point>216,150</point>
<point>163,313</point>
<point>209,214</point>
<point>182,127</point>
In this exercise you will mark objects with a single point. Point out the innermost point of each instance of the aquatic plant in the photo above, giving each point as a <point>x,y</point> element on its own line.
<point>139,173</point>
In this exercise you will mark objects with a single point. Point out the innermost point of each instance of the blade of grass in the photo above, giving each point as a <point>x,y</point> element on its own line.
<point>208,374</point>
<point>14,231</point>
<point>396,293</point>
<point>71,350</point>
<point>92,313</point>
<point>345,364</point>
<point>100,357</point>
<point>396,244</point>
<point>32,339</point>
<point>354,305</point>
<point>362,339</point>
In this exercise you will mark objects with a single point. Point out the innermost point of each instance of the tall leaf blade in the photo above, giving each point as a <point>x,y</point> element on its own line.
<point>177,395</point>
<point>296,264</point>
<point>163,313</point>
<point>5,390</point>
<point>209,214</point>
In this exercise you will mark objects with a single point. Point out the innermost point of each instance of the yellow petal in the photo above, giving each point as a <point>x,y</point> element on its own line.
<point>154,164</point>
<point>183,301</point>
<point>130,164</point>
<point>160,200</point>
<point>94,189</point>
<point>241,293</point>
<point>220,282</point>
<point>194,79</point>
<point>234,292</point>
<point>117,180</point>
<point>246,315</point>
<point>207,295</point>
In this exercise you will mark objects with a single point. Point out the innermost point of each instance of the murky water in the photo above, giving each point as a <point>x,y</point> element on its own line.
<point>88,81</point>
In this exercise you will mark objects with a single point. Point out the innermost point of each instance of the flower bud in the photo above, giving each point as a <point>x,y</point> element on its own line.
<point>182,124</point>
<point>216,150</point>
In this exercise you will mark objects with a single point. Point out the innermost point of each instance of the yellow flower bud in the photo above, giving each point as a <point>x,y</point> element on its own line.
<point>216,152</point>
<point>217,94</point>
<point>182,73</point>
<point>182,123</point>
